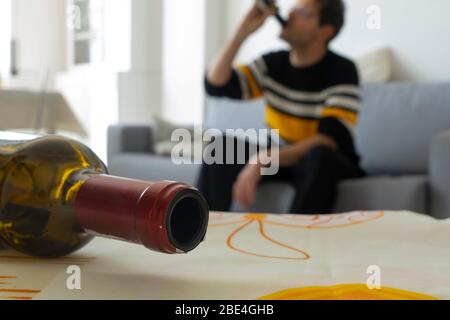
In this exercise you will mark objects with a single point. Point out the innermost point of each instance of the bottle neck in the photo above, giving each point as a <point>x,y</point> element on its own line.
<point>164,216</point>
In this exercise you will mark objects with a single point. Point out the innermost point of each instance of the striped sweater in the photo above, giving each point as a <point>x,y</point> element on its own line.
<point>301,102</point>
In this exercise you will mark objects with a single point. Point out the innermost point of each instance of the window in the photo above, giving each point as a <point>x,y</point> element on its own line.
<point>88,32</point>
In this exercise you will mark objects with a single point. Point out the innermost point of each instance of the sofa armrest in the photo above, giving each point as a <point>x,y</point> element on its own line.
<point>440,176</point>
<point>130,138</point>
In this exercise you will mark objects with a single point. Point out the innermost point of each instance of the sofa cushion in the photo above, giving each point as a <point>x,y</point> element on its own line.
<point>272,197</point>
<point>398,123</point>
<point>384,193</point>
<point>375,65</point>
<point>381,193</point>
<point>225,114</point>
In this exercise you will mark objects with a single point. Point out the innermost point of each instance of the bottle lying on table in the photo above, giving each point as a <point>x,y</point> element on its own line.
<point>56,195</point>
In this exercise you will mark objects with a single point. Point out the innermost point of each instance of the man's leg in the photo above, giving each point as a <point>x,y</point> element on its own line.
<point>216,181</point>
<point>216,184</point>
<point>316,177</point>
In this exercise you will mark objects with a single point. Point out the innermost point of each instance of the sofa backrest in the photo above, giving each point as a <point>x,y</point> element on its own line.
<point>397,123</point>
<point>225,114</point>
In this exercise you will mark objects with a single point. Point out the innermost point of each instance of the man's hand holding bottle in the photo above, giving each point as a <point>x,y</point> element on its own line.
<point>255,19</point>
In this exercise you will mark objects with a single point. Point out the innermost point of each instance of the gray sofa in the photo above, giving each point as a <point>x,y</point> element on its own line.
<point>403,137</point>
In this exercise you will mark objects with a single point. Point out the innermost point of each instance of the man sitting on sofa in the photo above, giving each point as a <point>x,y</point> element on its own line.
<point>312,97</point>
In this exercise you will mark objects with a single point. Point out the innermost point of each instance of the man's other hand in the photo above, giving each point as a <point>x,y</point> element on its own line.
<point>244,190</point>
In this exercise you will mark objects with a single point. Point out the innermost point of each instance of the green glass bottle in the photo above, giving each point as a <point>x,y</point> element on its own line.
<point>56,195</point>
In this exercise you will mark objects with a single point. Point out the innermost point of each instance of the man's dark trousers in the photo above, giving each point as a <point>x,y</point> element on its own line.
<point>315,178</point>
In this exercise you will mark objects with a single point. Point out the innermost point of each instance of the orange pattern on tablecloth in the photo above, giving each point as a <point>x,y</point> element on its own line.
<point>9,291</point>
<point>8,287</point>
<point>260,220</point>
<point>346,292</point>
<point>313,222</point>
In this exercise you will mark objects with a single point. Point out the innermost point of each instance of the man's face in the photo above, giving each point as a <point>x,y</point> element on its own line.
<point>303,27</point>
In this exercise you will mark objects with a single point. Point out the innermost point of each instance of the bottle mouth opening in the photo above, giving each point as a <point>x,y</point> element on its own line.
<point>187,220</point>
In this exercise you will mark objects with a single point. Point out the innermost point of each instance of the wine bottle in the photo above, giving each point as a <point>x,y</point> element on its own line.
<point>272,5</point>
<point>56,196</point>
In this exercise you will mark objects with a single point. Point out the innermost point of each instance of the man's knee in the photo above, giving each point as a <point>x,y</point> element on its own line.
<point>319,160</point>
<point>320,155</point>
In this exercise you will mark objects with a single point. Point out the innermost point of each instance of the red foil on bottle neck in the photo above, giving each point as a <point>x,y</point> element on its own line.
<point>137,211</point>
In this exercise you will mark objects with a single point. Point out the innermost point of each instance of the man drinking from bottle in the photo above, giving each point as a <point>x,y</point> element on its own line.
<point>312,97</point>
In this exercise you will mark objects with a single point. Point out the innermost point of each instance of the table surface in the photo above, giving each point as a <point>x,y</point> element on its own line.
<point>256,256</point>
<point>29,109</point>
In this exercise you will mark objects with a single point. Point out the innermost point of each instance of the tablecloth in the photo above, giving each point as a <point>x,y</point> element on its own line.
<point>356,255</point>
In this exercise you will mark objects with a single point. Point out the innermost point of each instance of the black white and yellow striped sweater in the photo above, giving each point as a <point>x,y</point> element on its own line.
<point>301,102</point>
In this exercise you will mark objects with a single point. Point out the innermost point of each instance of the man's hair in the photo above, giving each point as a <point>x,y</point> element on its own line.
<point>332,12</point>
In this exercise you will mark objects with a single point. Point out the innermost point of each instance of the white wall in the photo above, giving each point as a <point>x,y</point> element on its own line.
<point>417,31</point>
<point>39,27</point>
<point>171,42</point>
<point>140,89</point>
<point>5,38</point>
<point>183,60</point>
<point>92,90</point>
<point>92,93</point>
<point>215,26</point>
<point>118,34</point>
